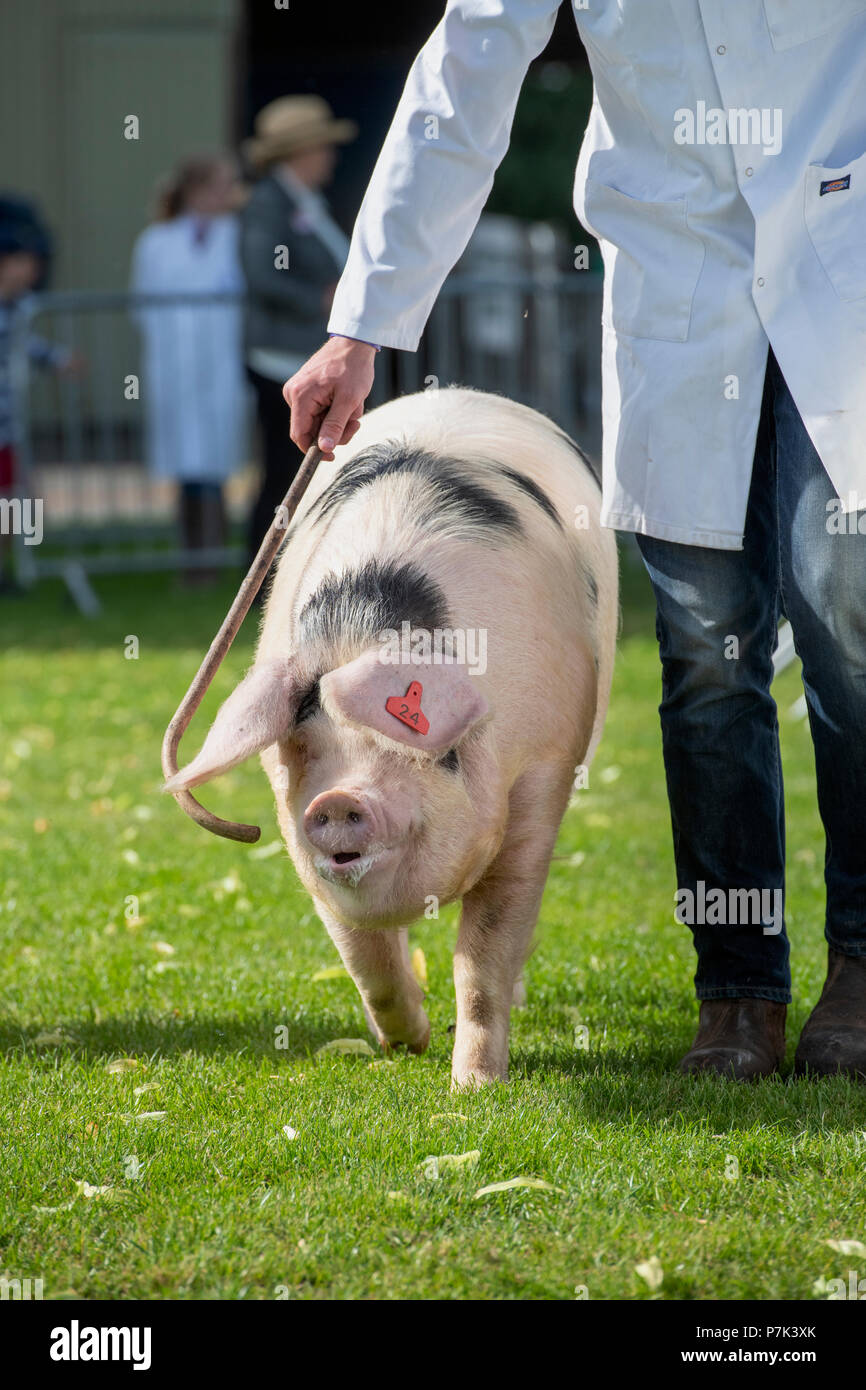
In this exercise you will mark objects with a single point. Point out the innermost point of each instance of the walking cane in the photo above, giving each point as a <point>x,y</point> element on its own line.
<point>232,830</point>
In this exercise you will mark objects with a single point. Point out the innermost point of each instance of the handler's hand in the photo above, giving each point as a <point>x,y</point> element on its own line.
<point>327,395</point>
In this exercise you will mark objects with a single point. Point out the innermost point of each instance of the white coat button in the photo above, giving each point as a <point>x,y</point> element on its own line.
<point>749,172</point>
<point>721,48</point>
<point>760,280</point>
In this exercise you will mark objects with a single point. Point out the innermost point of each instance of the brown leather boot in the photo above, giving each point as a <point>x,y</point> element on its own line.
<point>834,1035</point>
<point>738,1038</point>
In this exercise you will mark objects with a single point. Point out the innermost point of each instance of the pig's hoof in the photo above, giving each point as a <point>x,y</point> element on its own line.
<point>423,1042</point>
<point>417,1044</point>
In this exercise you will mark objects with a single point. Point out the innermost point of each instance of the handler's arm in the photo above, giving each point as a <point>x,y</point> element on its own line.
<point>434,173</point>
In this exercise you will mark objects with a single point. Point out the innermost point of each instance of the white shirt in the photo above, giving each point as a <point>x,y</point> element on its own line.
<point>717,235</point>
<point>192,388</point>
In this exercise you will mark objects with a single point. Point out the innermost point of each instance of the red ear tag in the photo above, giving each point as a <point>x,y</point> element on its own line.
<point>407,708</point>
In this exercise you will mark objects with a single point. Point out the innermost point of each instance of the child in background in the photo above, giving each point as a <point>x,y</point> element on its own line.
<point>25,255</point>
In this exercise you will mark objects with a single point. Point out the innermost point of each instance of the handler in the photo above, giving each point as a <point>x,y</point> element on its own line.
<point>724,172</point>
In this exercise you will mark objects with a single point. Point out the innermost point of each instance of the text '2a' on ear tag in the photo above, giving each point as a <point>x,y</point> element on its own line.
<point>407,708</point>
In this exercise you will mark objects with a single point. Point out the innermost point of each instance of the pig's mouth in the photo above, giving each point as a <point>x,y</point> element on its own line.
<point>348,867</point>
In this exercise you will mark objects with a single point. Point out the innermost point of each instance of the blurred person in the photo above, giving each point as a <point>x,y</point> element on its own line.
<point>192,386</point>
<point>723,171</point>
<point>25,258</point>
<point>292,253</point>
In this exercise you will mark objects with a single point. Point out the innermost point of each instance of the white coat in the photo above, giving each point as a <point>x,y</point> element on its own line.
<point>724,172</point>
<point>192,380</point>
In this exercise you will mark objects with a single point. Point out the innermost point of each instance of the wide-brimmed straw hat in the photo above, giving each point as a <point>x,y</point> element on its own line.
<point>291,124</point>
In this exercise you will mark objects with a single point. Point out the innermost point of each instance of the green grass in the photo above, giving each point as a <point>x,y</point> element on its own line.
<point>214,1200</point>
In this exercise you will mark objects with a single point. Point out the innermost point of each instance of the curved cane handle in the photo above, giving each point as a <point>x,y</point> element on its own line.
<point>232,830</point>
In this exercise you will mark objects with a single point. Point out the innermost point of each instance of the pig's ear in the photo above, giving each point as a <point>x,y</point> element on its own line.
<point>255,715</point>
<point>386,698</point>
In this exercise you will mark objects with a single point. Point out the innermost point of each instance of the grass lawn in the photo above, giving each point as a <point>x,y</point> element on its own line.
<point>149,971</point>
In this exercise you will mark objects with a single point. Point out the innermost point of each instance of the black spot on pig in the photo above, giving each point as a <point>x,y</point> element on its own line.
<point>584,458</point>
<point>450,498</point>
<point>360,603</point>
<point>591,587</point>
<point>310,704</point>
<point>532,489</point>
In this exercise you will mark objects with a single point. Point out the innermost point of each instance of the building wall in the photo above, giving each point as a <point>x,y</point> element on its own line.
<point>73,71</point>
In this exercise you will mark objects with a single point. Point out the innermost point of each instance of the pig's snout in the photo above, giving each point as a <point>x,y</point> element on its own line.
<point>342,822</point>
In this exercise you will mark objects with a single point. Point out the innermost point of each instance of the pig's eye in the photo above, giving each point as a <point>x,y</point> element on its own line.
<point>450,762</point>
<point>309,705</point>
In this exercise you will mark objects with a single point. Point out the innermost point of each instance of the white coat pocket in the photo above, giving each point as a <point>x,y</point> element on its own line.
<point>795,21</point>
<point>655,268</point>
<point>835,210</point>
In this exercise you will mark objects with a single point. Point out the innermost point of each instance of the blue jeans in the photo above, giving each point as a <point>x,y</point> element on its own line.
<point>716,619</point>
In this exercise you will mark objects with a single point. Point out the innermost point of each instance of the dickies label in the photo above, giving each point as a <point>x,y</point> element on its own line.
<point>835,185</point>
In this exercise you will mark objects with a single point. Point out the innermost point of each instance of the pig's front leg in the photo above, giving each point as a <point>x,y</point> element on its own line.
<point>378,962</point>
<point>496,928</point>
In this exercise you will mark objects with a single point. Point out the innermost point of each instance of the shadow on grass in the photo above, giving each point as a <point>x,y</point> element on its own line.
<point>252,1035</point>
<point>616,1086</point>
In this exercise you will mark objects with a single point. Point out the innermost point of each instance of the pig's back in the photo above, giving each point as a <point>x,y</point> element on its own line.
<point>455,508</point>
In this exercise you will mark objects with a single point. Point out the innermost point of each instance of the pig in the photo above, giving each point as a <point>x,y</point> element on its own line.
<point>433,665</point>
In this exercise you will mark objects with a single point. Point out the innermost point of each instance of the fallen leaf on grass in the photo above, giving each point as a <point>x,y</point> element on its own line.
<point>225,886</point>
<point>434,1164</point>
<point>138,1116</point>
<point>148,1086</point>
<point>538,1184</point>
<point>419,966</point>
<point>449,1115</point>
<point>848,1247</point>
<point>53,1037</point>
<point>289,1132</point>
<point>162,948</point>
<point>346,1047</point>
<point>88,1190</point>
<point>331,972</point>
<point>651,1272</point>
<point>266,851</point>
<point>121,1064</point>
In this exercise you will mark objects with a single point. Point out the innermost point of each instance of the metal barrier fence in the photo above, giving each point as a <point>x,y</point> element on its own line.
<point>83,439</point>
